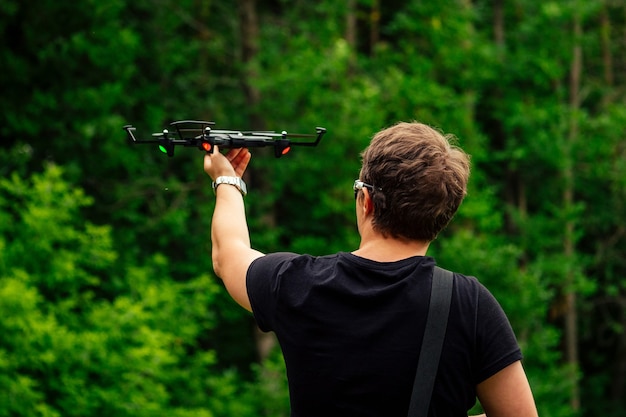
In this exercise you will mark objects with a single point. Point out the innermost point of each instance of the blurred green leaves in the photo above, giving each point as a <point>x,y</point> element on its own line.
<point>108,304</point>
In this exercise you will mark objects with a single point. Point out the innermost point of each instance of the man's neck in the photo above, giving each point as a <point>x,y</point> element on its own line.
<point>387,249</point>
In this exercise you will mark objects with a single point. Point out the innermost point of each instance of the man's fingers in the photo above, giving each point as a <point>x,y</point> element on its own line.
<point>236,153</point>
<point>240,163</point>
<point>238,159</point>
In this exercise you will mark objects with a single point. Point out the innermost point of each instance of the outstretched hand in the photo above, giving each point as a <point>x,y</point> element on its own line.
<point>233,163</point>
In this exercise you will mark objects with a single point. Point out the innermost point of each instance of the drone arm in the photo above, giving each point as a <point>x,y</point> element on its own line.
<point>319,133</point>
<point>234,142</point>
<point>130,129</point>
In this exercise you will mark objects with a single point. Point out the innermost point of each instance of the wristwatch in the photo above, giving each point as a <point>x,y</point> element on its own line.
<point>235,181</point>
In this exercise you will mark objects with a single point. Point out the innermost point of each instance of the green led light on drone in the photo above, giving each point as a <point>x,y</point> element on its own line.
<point>162,149</point>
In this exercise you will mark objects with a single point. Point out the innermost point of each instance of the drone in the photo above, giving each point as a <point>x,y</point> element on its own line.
<point>200,134</point>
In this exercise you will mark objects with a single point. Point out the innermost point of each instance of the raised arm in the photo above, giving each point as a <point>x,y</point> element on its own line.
<point>231,250</point>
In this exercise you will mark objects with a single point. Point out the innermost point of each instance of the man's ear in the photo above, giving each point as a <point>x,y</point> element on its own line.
<point>367,204</point>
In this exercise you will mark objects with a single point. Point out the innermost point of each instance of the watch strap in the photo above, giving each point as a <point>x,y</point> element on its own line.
<point>234,181</point>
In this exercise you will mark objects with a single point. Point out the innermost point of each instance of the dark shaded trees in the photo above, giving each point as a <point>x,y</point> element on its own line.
<point>106,286</point>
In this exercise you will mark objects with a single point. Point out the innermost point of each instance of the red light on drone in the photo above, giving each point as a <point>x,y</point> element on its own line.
<point>286,150</point>
<point>206,146</point>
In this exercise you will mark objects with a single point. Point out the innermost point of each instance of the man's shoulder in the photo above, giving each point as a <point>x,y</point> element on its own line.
<point>277,258</point>
<point>467,282</point>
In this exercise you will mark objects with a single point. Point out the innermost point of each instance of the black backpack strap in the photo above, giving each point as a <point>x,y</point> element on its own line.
<point>436,323</point>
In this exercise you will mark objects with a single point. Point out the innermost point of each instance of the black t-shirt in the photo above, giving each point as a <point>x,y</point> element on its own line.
<point>351,329</point>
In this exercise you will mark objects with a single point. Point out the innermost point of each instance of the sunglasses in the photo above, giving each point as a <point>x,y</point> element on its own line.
<point>359,185</point>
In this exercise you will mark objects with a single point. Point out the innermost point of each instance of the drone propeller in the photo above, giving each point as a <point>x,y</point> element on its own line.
<point>199,134</point>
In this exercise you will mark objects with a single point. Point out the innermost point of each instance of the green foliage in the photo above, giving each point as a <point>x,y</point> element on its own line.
<point>268,390</point>
<point>107,302</point>
<point>75,346</point>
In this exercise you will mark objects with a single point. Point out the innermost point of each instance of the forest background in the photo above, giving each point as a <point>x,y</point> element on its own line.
<point>108,302</point>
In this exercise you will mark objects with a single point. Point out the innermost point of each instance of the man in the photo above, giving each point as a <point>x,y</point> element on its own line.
<point>350,325</point>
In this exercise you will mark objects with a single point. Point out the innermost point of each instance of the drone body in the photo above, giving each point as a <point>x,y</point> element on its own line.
<point>200,134</point>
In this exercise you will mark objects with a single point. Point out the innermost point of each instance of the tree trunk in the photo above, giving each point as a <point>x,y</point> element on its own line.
<point>498,25</point>
<point>571,314</point>
<point>351,20</point>
<point>203,13</point>
<point>249,31</point>
<point>374,26</point>
<point>351,33</point>
<point>605,38</point>
<point>514,190</point>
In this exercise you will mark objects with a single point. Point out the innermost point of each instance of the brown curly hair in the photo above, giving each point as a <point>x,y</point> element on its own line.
<point>419,180</point>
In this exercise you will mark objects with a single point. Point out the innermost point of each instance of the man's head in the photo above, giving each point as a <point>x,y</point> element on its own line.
<point>419,180</point>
